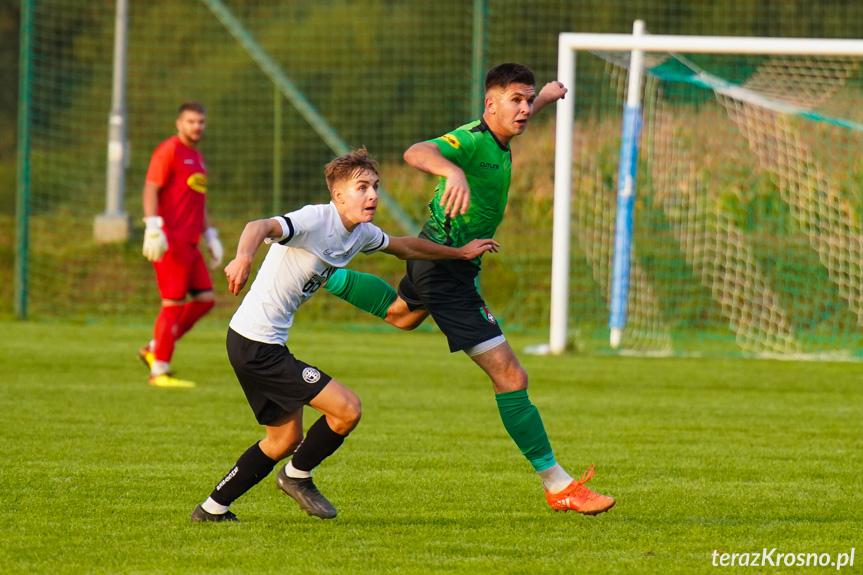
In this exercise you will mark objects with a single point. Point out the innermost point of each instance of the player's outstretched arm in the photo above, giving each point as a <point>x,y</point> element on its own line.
<point>411,248</point>
<point>426,157</point>
<point>551,92</point>
<point>253,235</point>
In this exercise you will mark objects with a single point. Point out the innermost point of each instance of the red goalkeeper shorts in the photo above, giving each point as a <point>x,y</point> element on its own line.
<point>182,270</point>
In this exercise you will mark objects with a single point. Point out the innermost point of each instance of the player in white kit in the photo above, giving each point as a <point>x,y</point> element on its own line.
<point>306,247</point>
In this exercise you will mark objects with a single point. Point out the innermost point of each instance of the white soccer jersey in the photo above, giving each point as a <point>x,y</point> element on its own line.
<point>314,243</point>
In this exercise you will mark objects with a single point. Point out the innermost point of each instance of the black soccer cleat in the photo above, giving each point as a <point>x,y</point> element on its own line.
<point>199,515</point>
<point>306,494</point>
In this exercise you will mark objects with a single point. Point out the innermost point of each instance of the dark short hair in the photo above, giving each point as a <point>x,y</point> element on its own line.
<point>192,106</point>
<point>347,166</point>
<point>508,73</point>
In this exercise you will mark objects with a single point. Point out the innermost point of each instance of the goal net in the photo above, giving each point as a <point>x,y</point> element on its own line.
<point>745,187</point>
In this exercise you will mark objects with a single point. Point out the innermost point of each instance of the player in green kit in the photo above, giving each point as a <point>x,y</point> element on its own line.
<point>474,163</point>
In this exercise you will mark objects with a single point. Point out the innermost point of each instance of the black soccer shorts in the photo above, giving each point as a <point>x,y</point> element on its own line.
<point>274,381</point>
<point>447,289</point>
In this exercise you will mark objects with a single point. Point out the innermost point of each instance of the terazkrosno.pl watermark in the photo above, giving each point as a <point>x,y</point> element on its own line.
<point>775,558</point>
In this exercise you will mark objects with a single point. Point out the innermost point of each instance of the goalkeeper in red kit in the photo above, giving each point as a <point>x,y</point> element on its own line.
<point>175,215</point>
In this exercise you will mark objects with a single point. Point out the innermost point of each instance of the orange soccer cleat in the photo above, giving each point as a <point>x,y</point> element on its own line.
<point>579,498</point>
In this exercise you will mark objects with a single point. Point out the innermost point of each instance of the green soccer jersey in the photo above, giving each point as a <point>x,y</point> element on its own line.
<point>488,166</point>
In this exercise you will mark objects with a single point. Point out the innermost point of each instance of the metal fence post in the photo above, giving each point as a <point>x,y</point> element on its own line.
<point>22,211</point>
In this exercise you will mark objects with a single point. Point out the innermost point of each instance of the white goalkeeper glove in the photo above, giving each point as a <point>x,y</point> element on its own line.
<point>214,246</point>
<point>155,242</point>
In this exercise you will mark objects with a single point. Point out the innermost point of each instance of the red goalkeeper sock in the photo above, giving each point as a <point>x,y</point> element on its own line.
<point>192,312</point>
<point>165,332</point>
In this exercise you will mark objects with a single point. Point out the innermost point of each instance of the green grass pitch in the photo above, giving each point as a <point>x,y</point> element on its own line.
<point>100,472</point>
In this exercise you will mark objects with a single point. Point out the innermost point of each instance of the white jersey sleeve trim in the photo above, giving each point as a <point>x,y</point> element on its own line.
<point>384,242</point>
<point>287,230</point>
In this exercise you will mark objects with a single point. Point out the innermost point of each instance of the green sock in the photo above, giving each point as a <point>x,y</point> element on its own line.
<point>523,423</point>
<point>366,291</point>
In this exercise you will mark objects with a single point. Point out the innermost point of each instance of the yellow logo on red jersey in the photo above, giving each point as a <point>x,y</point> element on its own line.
<point>452,140</point>
<point>198,182</point>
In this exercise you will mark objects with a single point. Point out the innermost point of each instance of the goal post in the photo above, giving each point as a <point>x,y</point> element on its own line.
<point>625,191</point>
<point>769,302</point>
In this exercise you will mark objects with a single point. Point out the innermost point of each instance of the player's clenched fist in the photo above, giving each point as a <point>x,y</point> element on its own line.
<point>237,272</point>
<point>155,242</point>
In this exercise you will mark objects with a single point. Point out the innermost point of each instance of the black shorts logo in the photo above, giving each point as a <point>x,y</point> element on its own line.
<point>311,375</point>
<point>487,315</point>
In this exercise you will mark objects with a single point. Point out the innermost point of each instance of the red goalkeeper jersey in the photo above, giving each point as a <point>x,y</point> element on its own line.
<point>181,175</point>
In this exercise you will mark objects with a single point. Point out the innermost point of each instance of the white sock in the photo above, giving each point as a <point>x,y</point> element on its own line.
<point>555,479</point>
<point>214,508</point>
<point>159,367</point>
<point>292,471</point>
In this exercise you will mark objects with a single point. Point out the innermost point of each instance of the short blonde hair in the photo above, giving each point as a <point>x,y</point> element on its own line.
<point>348,166</point>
